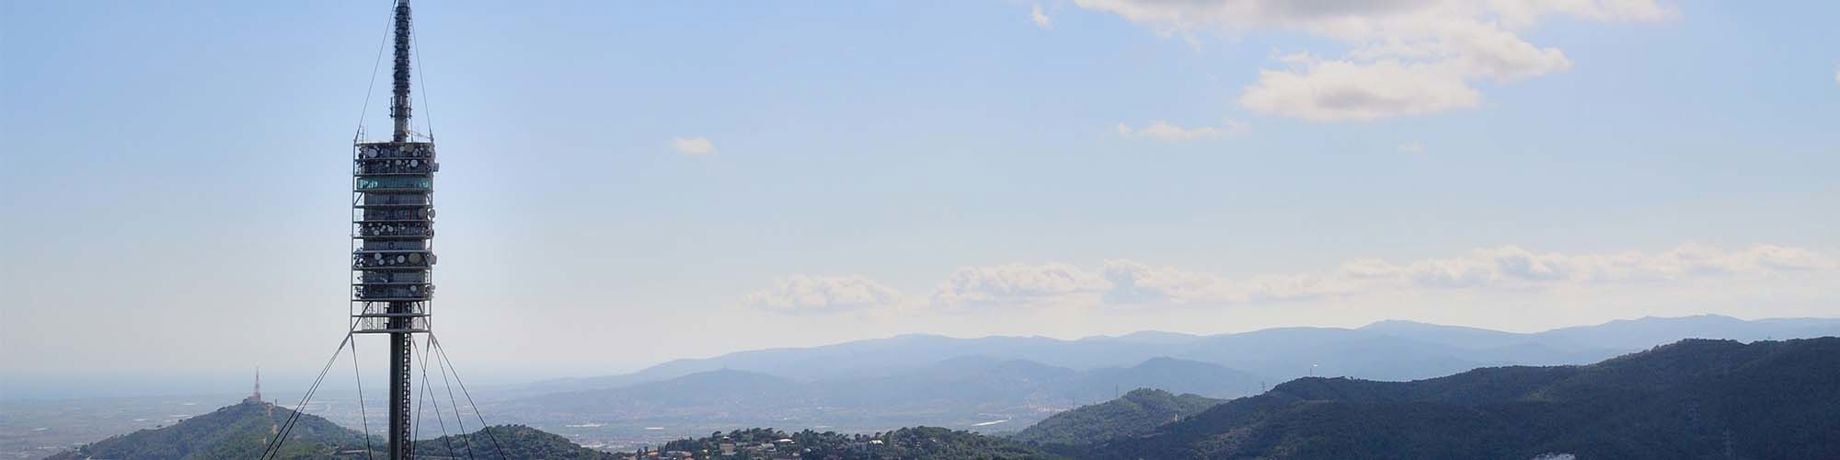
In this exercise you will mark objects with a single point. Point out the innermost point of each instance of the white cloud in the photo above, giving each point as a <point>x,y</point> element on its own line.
<point>1404,57</point>
<point>1016,284</point>
<point>1168,132</point>
<point>1133,282</point>
<point>824,294</point>
<point>693,146</point>
<point>1414,147</point>
<point>1514,267</point>
<point>1346,90</point>
<point>1039,18</point>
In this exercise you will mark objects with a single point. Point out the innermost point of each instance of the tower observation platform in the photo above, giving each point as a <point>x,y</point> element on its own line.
<point>392,257</point>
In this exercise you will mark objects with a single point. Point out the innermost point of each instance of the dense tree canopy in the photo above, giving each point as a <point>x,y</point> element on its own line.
<point>239,431</point>
<point>1692,399</point>
<point>1137,412</point>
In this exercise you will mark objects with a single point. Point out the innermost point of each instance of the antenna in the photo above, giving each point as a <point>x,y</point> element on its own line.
<point>399,87</point>
<point>392,257</point>
<point>256,396</point>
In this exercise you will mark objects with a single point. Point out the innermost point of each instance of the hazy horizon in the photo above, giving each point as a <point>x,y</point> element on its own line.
<point>625,184</point>
<point>290,382</point>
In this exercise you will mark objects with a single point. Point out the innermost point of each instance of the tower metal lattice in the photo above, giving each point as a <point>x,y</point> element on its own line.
<point>392,257</point>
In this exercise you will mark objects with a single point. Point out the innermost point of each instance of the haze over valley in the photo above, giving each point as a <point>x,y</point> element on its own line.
<point>988,385</point>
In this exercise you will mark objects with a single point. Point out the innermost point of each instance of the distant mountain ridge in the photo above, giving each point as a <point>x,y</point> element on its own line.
<point>1691,399</point>
<point>962,390</point>
<point>997,384</point>
<point>1278,354</point>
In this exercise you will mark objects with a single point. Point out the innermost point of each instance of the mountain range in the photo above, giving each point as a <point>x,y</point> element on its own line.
<point>1429,350</point>
<point>962,391</point>
<point>995,384</point>
<point>1695,398</point>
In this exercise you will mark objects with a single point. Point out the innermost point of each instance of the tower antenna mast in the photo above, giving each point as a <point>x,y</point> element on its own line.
<point>399,82</point>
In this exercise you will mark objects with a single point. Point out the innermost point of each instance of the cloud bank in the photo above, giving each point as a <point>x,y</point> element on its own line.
<point>1131,283</point>
<point>1168,132</point>
<point>814,294</point>
<point>1403,57</point>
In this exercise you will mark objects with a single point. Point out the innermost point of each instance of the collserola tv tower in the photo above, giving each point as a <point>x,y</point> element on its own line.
<point>392,257</point>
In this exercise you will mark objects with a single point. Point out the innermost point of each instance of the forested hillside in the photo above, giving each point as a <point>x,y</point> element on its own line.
<point>239,431</point>
<point>516,442</point>
<point>1691,399</point>
<point>244,430</point>
<point>1137,412</point>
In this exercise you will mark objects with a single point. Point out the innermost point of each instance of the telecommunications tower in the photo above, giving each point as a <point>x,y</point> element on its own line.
<point>392,255</point>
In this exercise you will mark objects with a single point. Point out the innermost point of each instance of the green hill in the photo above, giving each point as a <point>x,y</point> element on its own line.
<point>239,431</point>
<point>518,441</point>
<point>1691,399</point>
<point>243,431</point>
<point>1137,412</point>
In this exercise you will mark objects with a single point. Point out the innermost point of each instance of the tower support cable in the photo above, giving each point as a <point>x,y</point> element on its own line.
<point>440,420</point>
<point>452,403</point>
<point>364,417</point>
<point>280,437</point>
<point>441,352</point>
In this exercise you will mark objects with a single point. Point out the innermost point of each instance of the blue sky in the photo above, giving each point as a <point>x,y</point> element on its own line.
<point>174,173</point>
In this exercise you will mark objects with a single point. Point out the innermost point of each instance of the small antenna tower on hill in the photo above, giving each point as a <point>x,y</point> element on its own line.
<point>257,395</point>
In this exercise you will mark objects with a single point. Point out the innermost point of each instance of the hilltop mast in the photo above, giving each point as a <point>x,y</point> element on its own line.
<point>392,259</point>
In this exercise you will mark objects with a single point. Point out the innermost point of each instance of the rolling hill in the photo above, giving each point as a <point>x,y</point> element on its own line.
<point>1135,413</point>
<point>244,430</point>
<point>1691,399</point>
<point>517,442</point>
<point>239,431</point>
